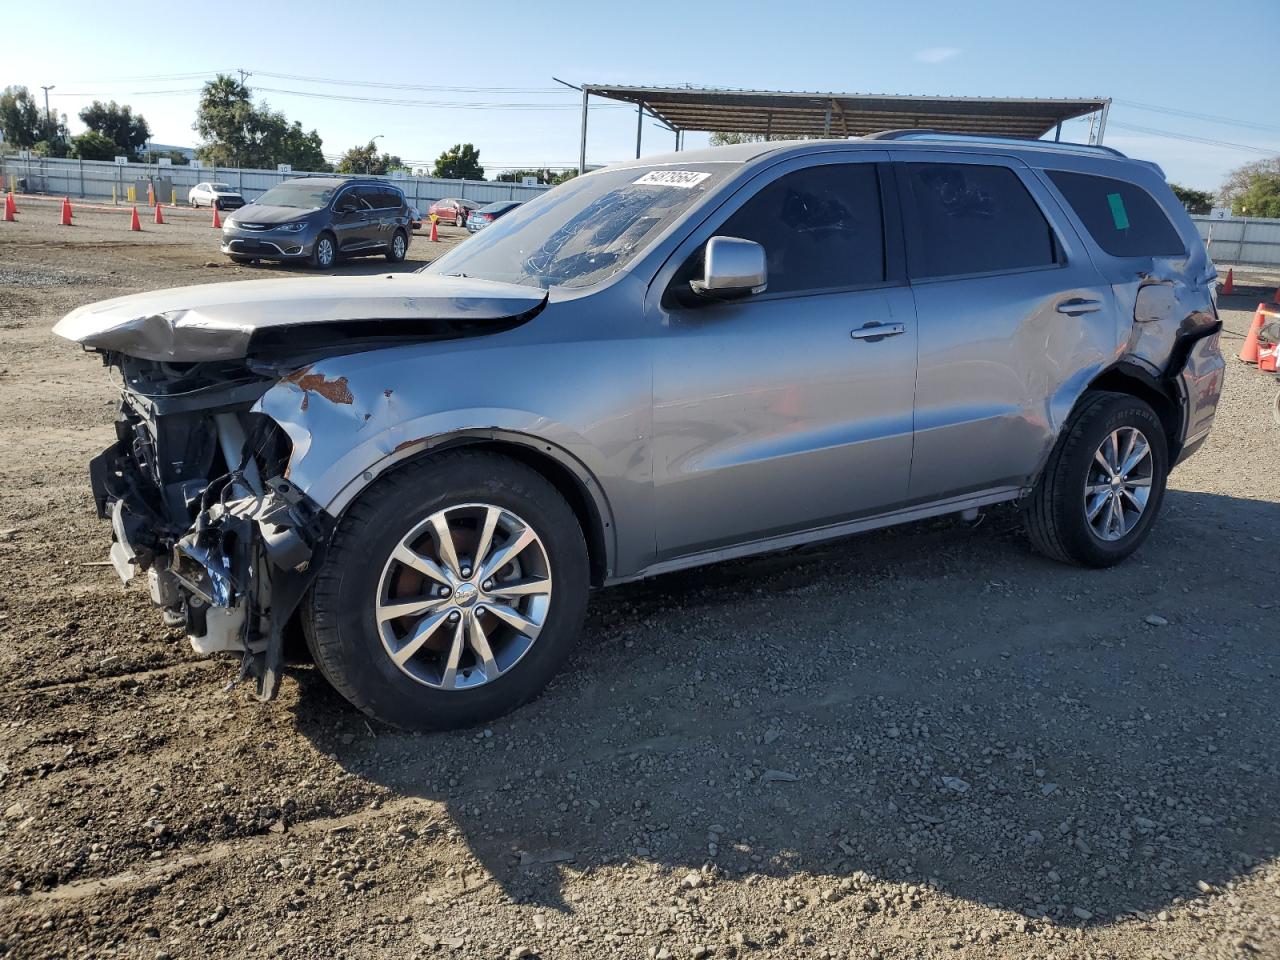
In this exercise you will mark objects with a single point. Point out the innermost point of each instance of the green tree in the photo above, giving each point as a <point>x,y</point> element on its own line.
<point>1261,198</point>
<point>459,162</point>
<point>129,132</point>
<point>92,145</point>
<point>722,139</point>
<point>1241,179</point>
<point>19,117</point>
<point>1196,201</point>
<point>238,133</point>
<point>366,160</point>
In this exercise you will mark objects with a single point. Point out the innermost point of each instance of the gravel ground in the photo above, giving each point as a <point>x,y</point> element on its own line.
<point>927,742</point>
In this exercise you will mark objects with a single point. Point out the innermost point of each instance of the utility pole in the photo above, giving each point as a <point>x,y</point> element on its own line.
<point>48,117</point>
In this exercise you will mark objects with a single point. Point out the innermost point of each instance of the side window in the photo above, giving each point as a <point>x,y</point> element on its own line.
<point>973,218</point>
<point>821,228</point>
<point>349,200</point>
<point>1123,219</point>
<point>372,197</point>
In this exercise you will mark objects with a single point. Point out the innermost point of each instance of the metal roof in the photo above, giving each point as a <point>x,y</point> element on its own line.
<point>791,114</point>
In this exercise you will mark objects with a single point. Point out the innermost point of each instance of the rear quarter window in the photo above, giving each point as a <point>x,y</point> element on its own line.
<point>1123,219</point>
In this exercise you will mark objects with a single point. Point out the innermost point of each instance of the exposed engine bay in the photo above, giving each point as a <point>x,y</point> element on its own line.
<point>196,486</point>
<point>195,491</point>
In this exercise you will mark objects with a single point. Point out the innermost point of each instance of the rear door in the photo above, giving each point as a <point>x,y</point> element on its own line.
<point>1014,320</point>
<point>790,409</point>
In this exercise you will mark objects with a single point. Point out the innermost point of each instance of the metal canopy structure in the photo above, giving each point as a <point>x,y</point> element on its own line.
<point>782,114</point>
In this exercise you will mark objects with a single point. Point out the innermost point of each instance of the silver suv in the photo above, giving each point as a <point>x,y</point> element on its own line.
<point>660,364</point>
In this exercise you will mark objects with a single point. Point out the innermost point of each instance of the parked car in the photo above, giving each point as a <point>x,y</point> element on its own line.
<point>218,195</point>
<point>320,220</point>
<point>484,216</point>
<point>452,210</point>
<point>661,364</point>
<point>415,218</point>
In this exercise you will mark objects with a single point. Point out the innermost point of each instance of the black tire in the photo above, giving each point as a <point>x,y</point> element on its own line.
<point>459,220</point>
<point>339,618</point>
<point>395,255</point>
<point>1054,513</point>
<point>321,260</point>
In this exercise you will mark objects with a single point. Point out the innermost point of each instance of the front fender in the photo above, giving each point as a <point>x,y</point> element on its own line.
<point>349,422</point>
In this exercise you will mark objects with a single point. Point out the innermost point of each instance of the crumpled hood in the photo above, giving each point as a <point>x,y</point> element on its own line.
<point>218,321</point>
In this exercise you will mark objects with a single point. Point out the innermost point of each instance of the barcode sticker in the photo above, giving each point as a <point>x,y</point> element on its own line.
<point>673,178</point>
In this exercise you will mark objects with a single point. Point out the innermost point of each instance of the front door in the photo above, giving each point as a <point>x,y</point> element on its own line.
<point>351,220</point>
<point>789,409</point>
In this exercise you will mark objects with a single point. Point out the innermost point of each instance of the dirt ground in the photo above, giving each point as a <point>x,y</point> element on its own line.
<point>927,742</point>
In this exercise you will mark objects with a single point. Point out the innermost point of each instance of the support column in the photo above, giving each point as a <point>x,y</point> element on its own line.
<point>639,126</point>
<point>582,142</point>
<point>826,123</point>
<point>1102,121</point>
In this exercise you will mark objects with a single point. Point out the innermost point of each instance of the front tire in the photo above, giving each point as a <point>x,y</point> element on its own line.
<point>452,591</point>
<point>325,253</point>
<point>1102,488</point>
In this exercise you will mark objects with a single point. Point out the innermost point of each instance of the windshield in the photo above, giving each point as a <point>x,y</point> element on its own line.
<point>221,187</point>
<point>585,230</point>
<point>299,195</point>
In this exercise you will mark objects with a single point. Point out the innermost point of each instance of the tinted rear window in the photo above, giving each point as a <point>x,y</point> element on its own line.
<point>973,218</point>
<point>1123,219</point>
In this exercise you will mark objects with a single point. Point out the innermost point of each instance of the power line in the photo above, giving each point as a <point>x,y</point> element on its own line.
<point>1190,138</point>
<point>438,104</point>
<point>403,86</point>
<point>1208,117</point>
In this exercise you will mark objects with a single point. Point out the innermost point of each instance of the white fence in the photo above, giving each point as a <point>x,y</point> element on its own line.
<point>95,179</point>
<point>1251,240</point>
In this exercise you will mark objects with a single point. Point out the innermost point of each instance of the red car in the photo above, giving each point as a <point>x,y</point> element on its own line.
<point>453,211</point>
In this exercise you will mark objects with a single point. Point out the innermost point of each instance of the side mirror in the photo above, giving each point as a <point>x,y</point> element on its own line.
<point>732,267</point>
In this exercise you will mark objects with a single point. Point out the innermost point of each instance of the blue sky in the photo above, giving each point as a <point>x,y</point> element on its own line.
<point>1174,55</point>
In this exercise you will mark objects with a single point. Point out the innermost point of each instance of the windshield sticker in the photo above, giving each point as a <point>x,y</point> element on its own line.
<point>1119,216</point>
<point>685,179</point>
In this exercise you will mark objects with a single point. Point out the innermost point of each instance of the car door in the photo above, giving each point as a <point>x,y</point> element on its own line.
<point>351,219</point>
<point>789,409</point>
<point>1013,316</point>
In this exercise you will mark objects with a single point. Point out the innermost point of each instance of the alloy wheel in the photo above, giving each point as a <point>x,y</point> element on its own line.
<point>324,253</point>
<point>397,247</point>
<point>1118,484</point>
<point>463,596</point>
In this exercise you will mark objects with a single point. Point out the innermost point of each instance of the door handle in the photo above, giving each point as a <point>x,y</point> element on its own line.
<point>1078,305</point>
<point>878,331</point>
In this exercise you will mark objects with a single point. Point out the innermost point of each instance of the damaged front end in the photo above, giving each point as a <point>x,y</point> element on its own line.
<point>197,484</point>
<point>195,490</point>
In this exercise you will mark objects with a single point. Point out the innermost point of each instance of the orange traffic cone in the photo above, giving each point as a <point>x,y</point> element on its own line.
<point>435,235</point>
<point>133,222</point>
<point>217,220</point>
<point>1249,352</point>
<point>1229,287</point>
<point>10,208</point>
<point>66,211</point>
<point>151,196</point>
<point>159,214</point>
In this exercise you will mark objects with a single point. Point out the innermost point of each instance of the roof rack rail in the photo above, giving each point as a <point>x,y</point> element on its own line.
<point>926,134</point>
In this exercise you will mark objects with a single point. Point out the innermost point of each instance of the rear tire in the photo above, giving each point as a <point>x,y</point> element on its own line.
<point>399,247</point>
<point>1069,515</point>
<point>364,573</point>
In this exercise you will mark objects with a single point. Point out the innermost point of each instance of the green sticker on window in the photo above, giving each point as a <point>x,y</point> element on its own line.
<point>1118,213</point>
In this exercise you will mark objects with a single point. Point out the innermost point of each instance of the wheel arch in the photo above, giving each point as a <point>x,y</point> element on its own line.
<point>1130,378</point>
<point>571,478</point>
